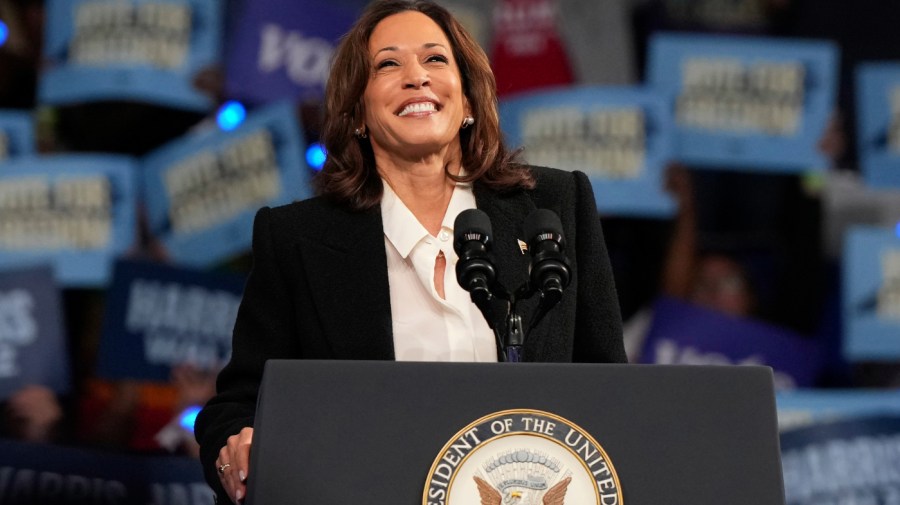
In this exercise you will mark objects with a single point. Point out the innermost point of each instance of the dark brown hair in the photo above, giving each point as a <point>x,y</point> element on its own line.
<point>349,174</point>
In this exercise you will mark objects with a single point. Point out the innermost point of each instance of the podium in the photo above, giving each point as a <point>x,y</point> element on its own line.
<point>389,433</point>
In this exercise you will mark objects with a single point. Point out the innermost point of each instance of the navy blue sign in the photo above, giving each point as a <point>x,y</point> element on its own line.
<point>746,102</point>
<point>878,123</point>
<point>32,474</point>
<point>871,294</point>
<point>202,191</point>
<point>159,316</point>
<point>75,211</point>
<point>620,137</point>
<point>16,134</point>
<point>32,341</point>
<point>842,463</point>
<point>141,50</point>
<point>685,334</point>
<point>282,49</point>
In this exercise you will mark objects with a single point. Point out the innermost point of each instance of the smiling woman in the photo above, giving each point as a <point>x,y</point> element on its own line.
<point>366,269</point>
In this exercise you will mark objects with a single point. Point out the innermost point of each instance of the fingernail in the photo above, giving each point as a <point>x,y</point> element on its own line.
<point>242,475</point>
<point>238,495</point>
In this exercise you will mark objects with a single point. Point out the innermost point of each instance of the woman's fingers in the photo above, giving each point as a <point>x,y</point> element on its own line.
<point>233,464</point>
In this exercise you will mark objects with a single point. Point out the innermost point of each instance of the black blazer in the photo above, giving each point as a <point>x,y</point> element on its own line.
<point>319,290</point>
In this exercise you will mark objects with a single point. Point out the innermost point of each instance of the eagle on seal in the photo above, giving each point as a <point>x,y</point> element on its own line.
<point>554,496</point>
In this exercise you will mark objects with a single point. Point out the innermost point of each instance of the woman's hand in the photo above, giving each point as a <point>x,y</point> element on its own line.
<point>233,464</point>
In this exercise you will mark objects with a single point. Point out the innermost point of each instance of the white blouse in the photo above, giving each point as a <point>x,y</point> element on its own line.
<point>427,327</point>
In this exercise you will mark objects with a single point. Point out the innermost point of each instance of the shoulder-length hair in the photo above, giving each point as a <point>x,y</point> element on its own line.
<point>349,174</point>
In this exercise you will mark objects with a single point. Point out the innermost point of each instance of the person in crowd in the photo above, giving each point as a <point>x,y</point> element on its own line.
<point>32,414</point>
<point>365,270</point>
<point>714,280</point>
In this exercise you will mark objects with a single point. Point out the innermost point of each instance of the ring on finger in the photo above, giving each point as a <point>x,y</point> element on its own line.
<point>223,467</point>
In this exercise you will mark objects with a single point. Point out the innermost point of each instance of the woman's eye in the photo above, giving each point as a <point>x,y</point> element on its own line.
<point>386,63</point>
<point>437,58</point>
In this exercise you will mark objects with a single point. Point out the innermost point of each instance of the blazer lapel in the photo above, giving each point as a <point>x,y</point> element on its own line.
<point>345,264</point>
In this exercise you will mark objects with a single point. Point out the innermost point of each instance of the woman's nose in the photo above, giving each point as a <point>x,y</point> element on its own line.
<point>416,77</point>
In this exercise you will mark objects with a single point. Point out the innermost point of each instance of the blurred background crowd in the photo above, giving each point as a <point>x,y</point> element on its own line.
<point>739,243</point>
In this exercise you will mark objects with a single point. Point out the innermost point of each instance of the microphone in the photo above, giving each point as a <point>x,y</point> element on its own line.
<point>472,241</point>
<point>550,271</point>
<point>474,271</point>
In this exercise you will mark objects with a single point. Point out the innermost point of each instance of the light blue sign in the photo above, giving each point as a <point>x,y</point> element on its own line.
<point>16,134</point>
<point>746,102</point>
<point>878,123</point>
<point>76,212</point>
<point>803,407</point>
<point>140,50</point>
<point>620,137</point>
<point>871,295</point>
<point>202,191</point>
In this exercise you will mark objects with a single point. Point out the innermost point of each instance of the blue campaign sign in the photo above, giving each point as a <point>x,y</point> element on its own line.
<point>878,123</point>
<point>803,407</point>
<point>141,50</point>
<point>746,102</point>
<point>845,462</point>
<point>77,212</point>
<point>159,316</point>
<point>685,334</point>
<point>282,49</point>
<point>620,137</point>
<point>202,191</point>
<point>36,474</point>
<point>871,294</point>
<point>32,339</point>
<point>16,134</point>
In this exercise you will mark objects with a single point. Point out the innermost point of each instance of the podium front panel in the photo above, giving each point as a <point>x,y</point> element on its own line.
<point>340,432</point>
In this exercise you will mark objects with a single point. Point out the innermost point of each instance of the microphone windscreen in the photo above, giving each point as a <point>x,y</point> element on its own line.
<point>543,224</point>
<point>471,224</point>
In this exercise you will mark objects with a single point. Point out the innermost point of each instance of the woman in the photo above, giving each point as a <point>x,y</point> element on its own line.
<point>365,270</point>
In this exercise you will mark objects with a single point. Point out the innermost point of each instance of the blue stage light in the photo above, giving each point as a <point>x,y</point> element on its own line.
<point>315,156</point>
<point>231,114</point>
<point>4,33</point>
<point>897,229</point>
<point>188,417</point>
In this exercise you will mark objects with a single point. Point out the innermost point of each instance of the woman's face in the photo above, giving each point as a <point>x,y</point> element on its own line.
<point>414,103</point>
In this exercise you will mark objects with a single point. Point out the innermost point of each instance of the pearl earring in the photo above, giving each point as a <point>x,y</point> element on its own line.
<point>360,133</point>
<point>467,122</point>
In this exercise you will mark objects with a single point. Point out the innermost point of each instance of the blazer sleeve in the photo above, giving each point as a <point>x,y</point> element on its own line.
<point>264,329</point>
<point>598,321</point>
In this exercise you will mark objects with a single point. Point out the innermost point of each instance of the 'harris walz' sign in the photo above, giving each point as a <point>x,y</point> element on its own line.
<point>620,137</point>
<point>16,134</point>
<point>871,295</point>
<point>878,120</point>
<point>143,50</point>
<point>842,463</point>
<point>741,102</point>
<point>32,342</point>
<point>75,211</point>
<point>36,474</point>
<point>159,317</point>
<point>202,191</point>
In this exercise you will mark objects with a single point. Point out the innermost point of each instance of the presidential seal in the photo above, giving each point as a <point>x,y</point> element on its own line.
<point>522,457</point>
